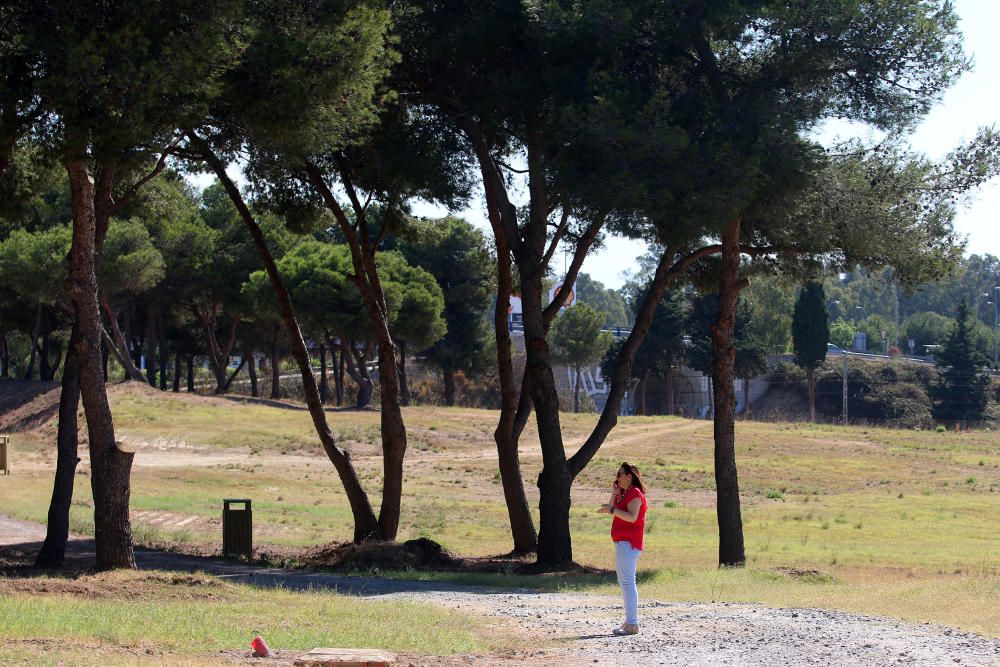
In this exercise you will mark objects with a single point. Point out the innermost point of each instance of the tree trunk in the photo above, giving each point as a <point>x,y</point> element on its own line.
<point>746,398</point>
<point>449,388</point>
<point>110,467</point>
<point>53,551</point>
<point>365,524</point>
<point>554,542</point>
<point>35,333</point>
<point>324,385</point>
<point>731,550</point>
<point>121,346</point>
<point>190,373</point>
<point>669,379</point>
<point>338,375</point>
<point>177,372</point>
<point>369,283</point>
<point>161,337</point>
<point>250,354</point>
<point>644,410</point>
<point>507,433</point>
<point>275,366</point>
<point>811,384</point>
<point>150,345</point>
<point>105,357</point>
<point>357,368</point>
<point>576,391</point>
<point>4,355</point>
<point>44,367</point>
<point>404,388</point>
<point>218,355</point>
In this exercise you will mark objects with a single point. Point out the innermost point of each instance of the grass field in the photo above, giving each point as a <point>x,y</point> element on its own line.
<point>888,522</point>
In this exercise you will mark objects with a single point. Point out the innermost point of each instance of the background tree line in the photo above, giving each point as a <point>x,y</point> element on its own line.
<point>689,127</point>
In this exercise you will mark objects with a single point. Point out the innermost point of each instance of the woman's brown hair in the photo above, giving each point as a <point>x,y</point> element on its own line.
<point>630,469</point>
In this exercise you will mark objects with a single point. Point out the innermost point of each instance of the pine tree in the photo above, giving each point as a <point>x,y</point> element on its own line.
<point>962,391</point>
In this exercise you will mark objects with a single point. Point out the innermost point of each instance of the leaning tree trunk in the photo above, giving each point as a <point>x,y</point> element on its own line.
<point>110,467</point>
<point>508,430</point>
<point>121,346</point>
<point>731,550</point>
<point>365,523</point>
<point>53,551</point>
<point>369,284</point>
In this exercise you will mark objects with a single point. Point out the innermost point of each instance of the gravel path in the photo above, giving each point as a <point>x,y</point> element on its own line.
<point>574,629</point>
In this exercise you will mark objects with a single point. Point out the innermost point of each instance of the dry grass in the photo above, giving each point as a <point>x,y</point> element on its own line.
<point>901,523</point>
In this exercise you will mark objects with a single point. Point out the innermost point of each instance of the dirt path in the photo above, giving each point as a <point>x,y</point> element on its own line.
<point>575,629</point>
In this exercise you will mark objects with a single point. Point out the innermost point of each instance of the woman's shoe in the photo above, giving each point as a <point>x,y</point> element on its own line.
<point>627,629</point>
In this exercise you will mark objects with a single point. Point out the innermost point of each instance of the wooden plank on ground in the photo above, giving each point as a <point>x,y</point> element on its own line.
<point>346,657</point>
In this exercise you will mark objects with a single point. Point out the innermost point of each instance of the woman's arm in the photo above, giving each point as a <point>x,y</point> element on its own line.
<point>632,513</point>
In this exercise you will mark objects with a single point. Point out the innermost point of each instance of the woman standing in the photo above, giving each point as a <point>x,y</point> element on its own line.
<point>628,507</point>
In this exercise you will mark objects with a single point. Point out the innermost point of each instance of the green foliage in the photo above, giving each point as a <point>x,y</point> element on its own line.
<point>132,264</point>
<point>842,333</point>
<point>34,264</point>
<point>810,326</point>
<point>318,276</point>
<point>890,393</point>
<point>963,390</point>
<point>456,254</point>
<point>773,298</point>
<point>927,328</point>
<point>577,338</point>
<point>751,351</point>
<point>610,302</point>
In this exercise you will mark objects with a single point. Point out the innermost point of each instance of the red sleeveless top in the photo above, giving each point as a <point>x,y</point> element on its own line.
<point>622,529</point>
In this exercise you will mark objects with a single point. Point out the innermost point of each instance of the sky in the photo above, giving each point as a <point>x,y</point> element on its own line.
<point>973,102</point>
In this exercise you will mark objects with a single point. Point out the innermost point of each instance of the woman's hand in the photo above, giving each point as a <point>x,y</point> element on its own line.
<point>605,509</point>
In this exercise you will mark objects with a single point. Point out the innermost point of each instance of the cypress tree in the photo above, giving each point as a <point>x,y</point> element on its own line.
<point>810,335</point>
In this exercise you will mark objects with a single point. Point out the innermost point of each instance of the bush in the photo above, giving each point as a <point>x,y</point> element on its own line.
<point>894,393</point>
<point>901,404</point>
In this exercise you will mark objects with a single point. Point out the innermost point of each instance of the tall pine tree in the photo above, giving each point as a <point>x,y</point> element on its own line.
<point>962,391</point>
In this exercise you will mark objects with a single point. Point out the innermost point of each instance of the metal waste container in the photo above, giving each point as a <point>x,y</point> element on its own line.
<point>237,527</point>
<point>4,444</point>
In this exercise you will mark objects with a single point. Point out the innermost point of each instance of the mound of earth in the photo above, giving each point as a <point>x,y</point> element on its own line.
<point>419,554</point>
<point>781,404</point>
<point>27,404</point>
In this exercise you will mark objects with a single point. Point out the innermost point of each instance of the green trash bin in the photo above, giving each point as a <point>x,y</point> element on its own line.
<point>4,444</point>
<point>237,527</point>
